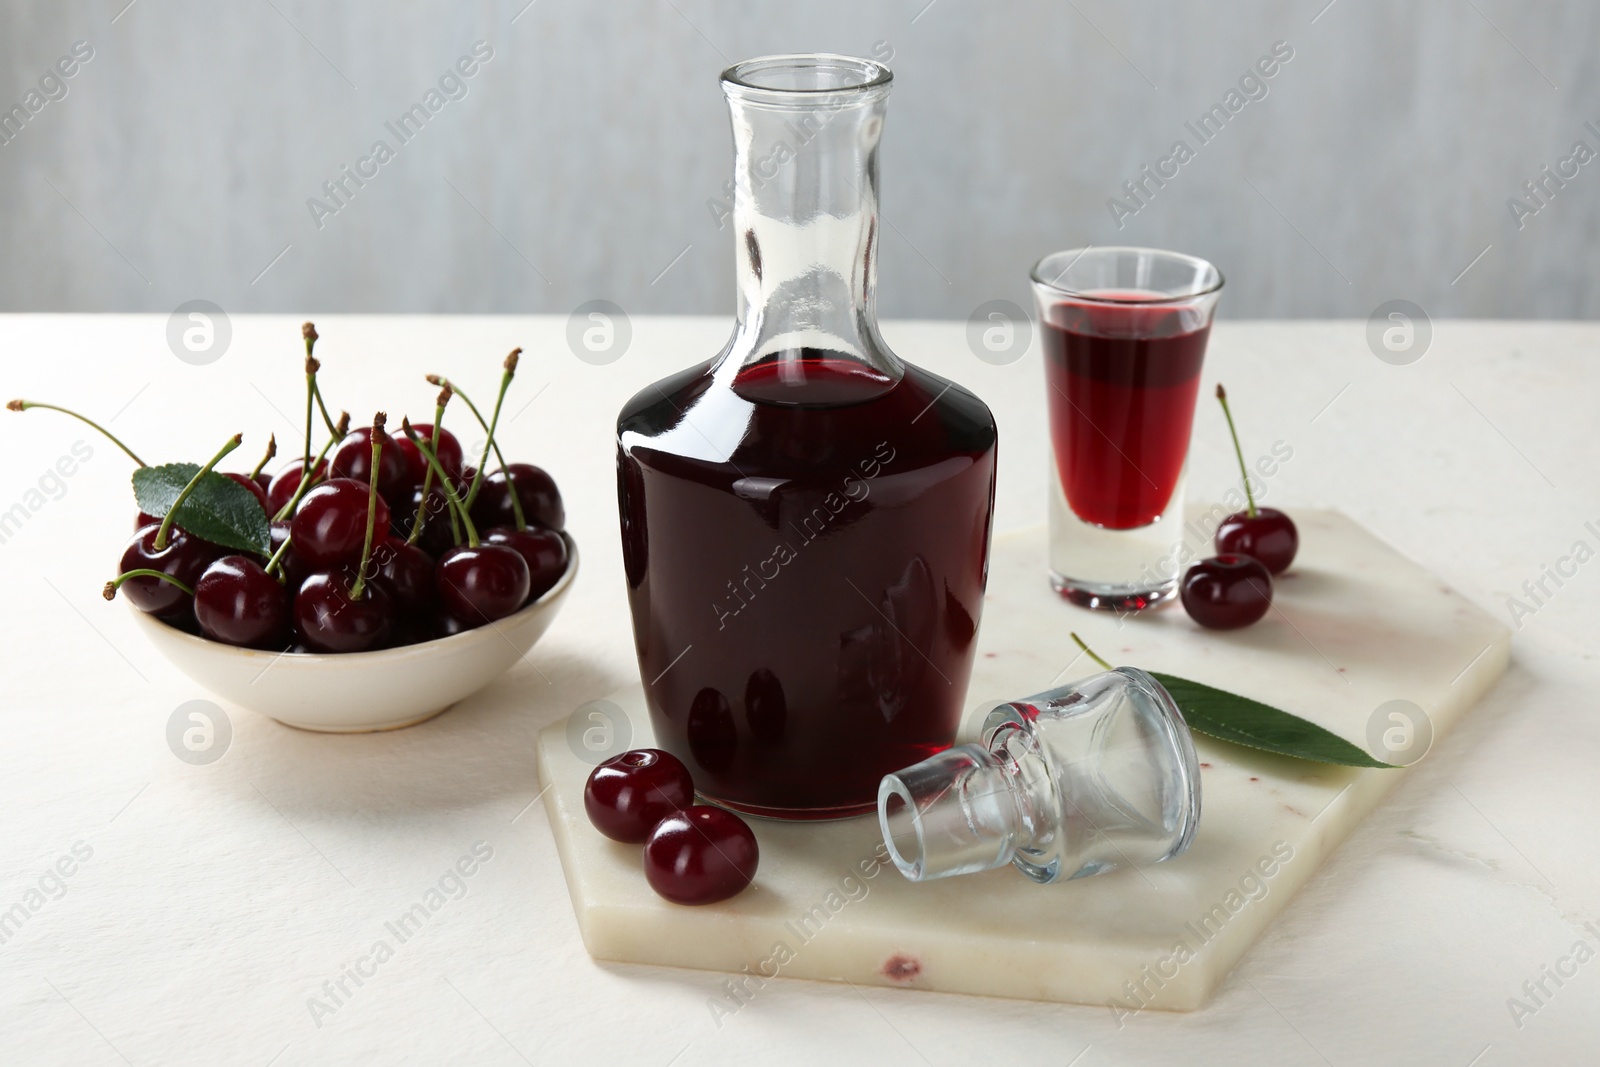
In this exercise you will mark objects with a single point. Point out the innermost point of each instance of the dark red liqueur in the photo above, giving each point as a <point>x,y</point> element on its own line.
<point>1122,385</point>
<point>806,546</point>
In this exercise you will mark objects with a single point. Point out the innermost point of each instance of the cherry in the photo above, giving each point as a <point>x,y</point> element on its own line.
<point>185,558</point>
<point>544,551</point>
<point>406,572</point>
<point>264,480</point>
<point>353,460</point>
<point>249,483</point>
<point>437,535</point>
<point>168,549</point>
<point>482,583</point>
<point>329,617</point>
<point>238,603</point>
<point>445,625</point>
<point>287,481</point>
<point>477,583</point>
<point>1265,534</point>
<point>628,794</point>
<point>330,525</point>
<point>1226,592</point>
<point>1269,536</point>
<point>294,566</point>
<point>344,611</point>
<point>448,450</point>
<point>700,855</point>
<point>536,491</point>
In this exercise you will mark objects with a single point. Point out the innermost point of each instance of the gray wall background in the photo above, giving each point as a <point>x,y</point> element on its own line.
<point>580,163</point>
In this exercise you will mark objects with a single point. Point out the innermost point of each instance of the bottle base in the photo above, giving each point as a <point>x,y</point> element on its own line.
<point>1102,596</point>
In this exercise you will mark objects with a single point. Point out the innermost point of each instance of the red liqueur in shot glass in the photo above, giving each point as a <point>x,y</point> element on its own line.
<point>1124,336</point>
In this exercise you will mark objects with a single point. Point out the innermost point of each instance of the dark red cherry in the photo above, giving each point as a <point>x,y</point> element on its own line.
<point>700,855</point>
<point>1226,592</point>
<point>185,557</point>
<point>480,585</point>
<point>448,450</point>
<point>541,500</point>
<point>628,794</point>
<point>447,626</point>
<point>250,484</point>
<point>293,566</point>
<point>238,603</point>
<point>286,481</point>
<point>406,571</point>
<point>328,619</point>
<point>410,630</point>
<point>264,480</point>
<point>353,460</point>
<point>1269,537</point>
<point>330,526</point>
<point>416,466</point>
<point>437,535</point>
<point>544,551</point>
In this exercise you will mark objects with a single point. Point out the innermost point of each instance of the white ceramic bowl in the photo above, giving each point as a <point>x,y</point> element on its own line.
<point>361,691</point>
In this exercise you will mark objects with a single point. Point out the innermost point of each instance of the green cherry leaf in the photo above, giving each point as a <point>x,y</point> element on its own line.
<point>220,510</point>
<point>1230,717</point>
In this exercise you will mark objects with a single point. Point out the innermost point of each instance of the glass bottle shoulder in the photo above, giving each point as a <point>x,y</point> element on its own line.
<point>693,415</point>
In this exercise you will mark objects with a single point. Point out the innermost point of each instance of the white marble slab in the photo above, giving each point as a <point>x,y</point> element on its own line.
<point>1357,625</point>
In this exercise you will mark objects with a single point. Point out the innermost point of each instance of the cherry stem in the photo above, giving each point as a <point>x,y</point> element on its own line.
<point>110,590</point>
<point>1250,498</point>
<point>272,450</point>
<point>306,478</point>
<point>494,422</point>
<point>372,505</point>
<point>309,332</point>
<point>326,420</point>
<point>24,405</point>
<point>276,562</point>
<point>444,481</point>
<point>511,485</point>
<point>516,503</point>
<point>199,476</point>
<point>427,475</point>
<point>1092,654</point>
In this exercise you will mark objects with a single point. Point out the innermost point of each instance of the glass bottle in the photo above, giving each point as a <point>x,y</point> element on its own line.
<point>805,517</point>
<point>1083,779</point>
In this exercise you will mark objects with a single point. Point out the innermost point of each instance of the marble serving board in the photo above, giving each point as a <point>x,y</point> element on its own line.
<point>1356,627</point>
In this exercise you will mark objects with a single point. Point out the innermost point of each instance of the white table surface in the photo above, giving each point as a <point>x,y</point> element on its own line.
<point>216,900</point>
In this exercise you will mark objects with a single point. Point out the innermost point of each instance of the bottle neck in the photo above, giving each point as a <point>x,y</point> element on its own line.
<point>805,213</point>
<point>968,809</point>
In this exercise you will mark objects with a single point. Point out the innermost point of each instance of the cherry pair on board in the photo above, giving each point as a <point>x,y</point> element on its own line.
<point>693,853</point>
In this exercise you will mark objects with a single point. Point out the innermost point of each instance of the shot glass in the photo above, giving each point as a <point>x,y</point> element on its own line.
<point>1124,335</point>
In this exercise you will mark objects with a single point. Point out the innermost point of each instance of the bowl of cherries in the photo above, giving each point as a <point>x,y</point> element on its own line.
<point>388,584</point>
